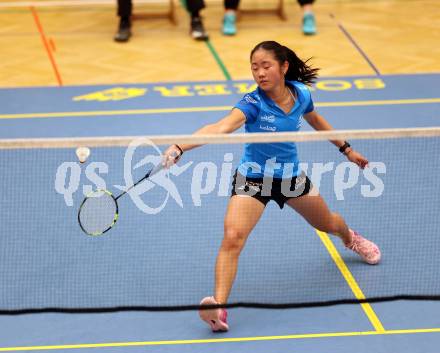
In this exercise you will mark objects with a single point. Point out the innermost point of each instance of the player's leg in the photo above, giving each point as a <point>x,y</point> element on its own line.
<point>315,211</point>
<point>242,215</point>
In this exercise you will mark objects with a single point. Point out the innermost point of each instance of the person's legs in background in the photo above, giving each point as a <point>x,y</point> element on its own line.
<point>124,12</point>
<point>308,22</point>
<point>197,30</point>
<point>230,17</point>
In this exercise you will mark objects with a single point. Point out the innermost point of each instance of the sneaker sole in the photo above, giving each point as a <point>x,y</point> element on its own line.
<point>211,318</point>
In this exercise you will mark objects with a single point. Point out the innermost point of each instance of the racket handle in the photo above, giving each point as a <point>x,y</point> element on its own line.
<point>154,170</point>
<point>150,173</point>
<point>157,168</point>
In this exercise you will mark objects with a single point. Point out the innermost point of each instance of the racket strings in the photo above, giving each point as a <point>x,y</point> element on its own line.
<point>98,213</point>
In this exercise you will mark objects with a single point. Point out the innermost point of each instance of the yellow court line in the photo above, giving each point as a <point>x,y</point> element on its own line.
<point>203,109</point>
<point>350,280</point>
<point>379,102</point>
<point>114,112</point>
<point>222,340</point>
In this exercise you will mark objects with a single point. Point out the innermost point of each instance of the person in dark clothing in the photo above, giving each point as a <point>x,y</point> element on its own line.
<point>125,9</point>
<point>198,31</point>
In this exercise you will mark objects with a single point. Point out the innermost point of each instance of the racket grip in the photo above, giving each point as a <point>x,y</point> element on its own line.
<point>155,170</point>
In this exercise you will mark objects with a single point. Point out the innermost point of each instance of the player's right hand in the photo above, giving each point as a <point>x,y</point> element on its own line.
<point>171,156</point>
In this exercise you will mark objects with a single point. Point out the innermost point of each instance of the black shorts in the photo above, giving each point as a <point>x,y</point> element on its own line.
<point>266,189</point>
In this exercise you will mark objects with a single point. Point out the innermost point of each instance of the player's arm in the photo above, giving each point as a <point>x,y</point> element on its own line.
<point>319,123</point>
<point>233,121</point>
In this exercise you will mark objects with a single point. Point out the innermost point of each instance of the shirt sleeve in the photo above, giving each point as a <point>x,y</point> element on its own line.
<point>250,108</point>
<point>310,106</point>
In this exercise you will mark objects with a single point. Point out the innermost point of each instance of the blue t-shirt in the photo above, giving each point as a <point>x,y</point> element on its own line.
<point>277,160</point>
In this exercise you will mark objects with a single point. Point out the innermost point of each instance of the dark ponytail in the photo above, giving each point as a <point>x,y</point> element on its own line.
<point>298,69</point>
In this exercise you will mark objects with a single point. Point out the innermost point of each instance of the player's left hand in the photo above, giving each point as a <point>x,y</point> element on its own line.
<point>357,158</point>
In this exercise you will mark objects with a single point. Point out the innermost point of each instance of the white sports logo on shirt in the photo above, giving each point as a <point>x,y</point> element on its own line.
<point>268,118</point>
<point>249,99</point>
<point>268,128</point>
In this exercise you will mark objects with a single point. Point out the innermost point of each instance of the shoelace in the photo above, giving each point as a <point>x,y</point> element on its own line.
<point>354,242</point>
<point>354,246</point>
<point>359,245</point>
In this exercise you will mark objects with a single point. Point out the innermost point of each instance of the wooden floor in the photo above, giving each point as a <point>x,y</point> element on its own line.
<point>72,45</point>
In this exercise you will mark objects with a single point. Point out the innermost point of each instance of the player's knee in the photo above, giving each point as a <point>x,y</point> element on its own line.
<point>233,240</point>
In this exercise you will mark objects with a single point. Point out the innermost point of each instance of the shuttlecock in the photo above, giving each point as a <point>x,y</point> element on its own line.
<point>82,153</point>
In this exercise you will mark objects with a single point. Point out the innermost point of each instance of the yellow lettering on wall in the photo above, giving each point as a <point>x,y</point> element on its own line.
<point>333,85</point>
<point>245,87</point>
<point>212,90</point>
<point>112,94</point>
<point>175,91</point>
<point>369,83</point>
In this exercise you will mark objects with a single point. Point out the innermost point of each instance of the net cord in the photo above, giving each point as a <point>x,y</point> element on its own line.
<point>236,138</point>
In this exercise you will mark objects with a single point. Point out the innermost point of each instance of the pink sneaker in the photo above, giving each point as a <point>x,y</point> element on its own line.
<point>367,250</point>
<point>215,318</point>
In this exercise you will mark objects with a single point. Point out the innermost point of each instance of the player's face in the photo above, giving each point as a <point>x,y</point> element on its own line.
<point>266,70</point>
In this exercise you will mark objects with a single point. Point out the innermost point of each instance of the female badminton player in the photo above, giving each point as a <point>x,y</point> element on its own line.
<point>278,103</point>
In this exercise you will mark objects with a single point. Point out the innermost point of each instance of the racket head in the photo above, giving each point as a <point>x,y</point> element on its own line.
<point>98,212</point>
